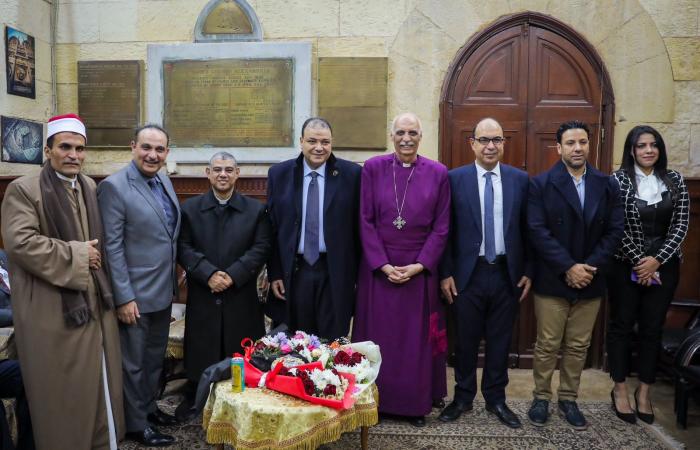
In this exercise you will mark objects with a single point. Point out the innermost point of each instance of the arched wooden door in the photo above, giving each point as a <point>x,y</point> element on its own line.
<point>531,73</point>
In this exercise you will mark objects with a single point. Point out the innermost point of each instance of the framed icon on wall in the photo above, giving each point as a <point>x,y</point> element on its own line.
<point>20,63</point>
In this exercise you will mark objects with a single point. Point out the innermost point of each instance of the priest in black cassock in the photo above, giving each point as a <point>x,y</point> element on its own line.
<point>224,241</point>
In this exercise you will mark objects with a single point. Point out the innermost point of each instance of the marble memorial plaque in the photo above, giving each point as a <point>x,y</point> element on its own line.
<point>109,100</point>
<point>229,102</point>
<point>352,96</point>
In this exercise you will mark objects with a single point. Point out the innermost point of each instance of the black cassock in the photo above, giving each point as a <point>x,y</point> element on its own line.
<point>234,238</point>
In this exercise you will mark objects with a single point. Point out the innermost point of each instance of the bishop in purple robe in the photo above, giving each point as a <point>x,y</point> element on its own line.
<point>404,223</point>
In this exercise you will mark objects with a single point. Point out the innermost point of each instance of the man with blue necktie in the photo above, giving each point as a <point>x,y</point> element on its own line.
<point>313,204</point>
<point>484,271</point>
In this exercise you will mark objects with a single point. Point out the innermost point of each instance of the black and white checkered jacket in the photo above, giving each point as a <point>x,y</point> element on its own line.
<point>632,247</point>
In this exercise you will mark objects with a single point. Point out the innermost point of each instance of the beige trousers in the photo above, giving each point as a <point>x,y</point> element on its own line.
<point>566,326</point>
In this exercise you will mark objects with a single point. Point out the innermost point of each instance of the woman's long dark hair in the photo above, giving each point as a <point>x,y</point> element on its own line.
<point>660,166</point>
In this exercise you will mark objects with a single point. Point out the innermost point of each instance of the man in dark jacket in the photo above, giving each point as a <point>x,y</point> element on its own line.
<point>575,222</point>
<point>313,202</point>
<point>224,241</point>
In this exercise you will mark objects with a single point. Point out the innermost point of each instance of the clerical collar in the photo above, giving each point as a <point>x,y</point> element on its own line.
<point>405,164</point>
<point>72,181</point>
<point>222,201</point>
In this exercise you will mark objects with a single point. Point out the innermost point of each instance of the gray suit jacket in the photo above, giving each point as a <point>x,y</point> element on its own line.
<point>140,249</point>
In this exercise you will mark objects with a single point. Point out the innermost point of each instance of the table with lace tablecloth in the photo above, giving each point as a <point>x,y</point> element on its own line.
<point>260,419</point>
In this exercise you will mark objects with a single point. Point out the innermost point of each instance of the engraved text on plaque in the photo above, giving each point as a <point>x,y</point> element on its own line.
<point>229,103</point>
<point>109,100</point>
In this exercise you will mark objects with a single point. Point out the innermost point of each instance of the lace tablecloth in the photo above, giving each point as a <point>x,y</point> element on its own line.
<point>264,419</point>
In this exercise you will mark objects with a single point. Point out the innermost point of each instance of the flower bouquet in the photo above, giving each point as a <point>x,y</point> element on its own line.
<point>313,383</point>
<point>360,359</point>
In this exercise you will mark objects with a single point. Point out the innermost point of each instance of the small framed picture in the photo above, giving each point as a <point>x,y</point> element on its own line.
<point>19,61</point>
<point>22,140</point>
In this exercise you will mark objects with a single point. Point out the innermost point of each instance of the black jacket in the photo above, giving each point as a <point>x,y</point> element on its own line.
<point>563,235</point>
<point>235,239</point>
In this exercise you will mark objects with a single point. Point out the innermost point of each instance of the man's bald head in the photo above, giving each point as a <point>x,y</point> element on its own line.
<point>486,123</point>
<point>406,117</point>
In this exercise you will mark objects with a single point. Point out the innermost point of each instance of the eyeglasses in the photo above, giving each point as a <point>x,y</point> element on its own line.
<point>498,140</point>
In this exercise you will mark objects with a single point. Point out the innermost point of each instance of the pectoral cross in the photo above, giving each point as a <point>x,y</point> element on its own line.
<point>399,222</point>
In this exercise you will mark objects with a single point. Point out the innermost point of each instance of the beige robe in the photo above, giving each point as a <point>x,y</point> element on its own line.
<point>61,366</point>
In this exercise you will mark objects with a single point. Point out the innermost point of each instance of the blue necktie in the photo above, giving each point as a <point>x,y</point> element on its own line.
<point>311,223</point>
<point>489,233</point>
<point>164,201</point>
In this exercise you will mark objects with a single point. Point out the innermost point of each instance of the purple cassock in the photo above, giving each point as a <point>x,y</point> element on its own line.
<point>405,320</point>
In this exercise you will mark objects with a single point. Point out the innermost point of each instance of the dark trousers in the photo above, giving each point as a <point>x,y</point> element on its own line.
<point>311,305</point>
<point>143,351</point>
<point>485,309</point>
<point>632,303</point>
<point>11,386</point>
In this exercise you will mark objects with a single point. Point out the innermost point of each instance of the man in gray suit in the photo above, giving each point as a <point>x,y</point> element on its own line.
<point>141,219</point>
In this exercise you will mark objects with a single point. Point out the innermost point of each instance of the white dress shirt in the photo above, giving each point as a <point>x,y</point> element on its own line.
<point>497,207</point>
<point>321,180</point>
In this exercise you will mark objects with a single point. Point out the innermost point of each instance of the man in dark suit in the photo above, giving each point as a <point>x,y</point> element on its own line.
<point>141,217</point>
<point>313,203</point>
<point>224,242</point>
<point>483,270</point>
<point>575,223</point>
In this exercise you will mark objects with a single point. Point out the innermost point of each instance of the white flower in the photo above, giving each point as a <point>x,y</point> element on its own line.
<point>306,354</point>
<point>316,352</point>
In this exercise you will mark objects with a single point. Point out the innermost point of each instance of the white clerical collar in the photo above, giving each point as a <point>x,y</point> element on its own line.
<point>221,200</point>
<point>649,187</point>
<point>480,171</point>
<point>321,171</point>
<point>65,178</point>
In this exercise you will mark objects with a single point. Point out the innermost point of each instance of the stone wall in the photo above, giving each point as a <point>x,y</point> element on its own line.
<point>32,18</point>
<point>651,49</point>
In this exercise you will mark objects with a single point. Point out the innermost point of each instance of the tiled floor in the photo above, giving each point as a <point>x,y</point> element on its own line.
<point>596,385</point>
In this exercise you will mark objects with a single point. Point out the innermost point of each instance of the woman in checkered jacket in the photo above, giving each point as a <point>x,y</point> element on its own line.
<point>644,275</point>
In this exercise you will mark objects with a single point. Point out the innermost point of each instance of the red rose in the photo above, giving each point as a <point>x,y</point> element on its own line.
<point>299,348</point>
<point>329,390</point>
<point>309,387</point>
<point>342,358</point>
<point>284,371</point>
<point>357,358</point>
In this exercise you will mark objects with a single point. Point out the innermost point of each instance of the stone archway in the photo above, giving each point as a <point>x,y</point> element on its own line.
<point>637,62</point>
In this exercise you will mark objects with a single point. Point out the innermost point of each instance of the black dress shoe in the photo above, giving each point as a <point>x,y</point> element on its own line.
<point>162,419</point>
<point>151,437</point>
<point>504,414</point>
<point>627,417</point>
<point>454,410</point>
<point>417,421</point>
<point>439,403</point>
<point>644,417</point>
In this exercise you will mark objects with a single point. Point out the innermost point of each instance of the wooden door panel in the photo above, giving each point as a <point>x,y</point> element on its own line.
<point>496,73</point>
<point>560,76</point>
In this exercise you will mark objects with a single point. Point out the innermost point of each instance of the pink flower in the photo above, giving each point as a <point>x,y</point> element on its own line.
<point>286,348</point>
